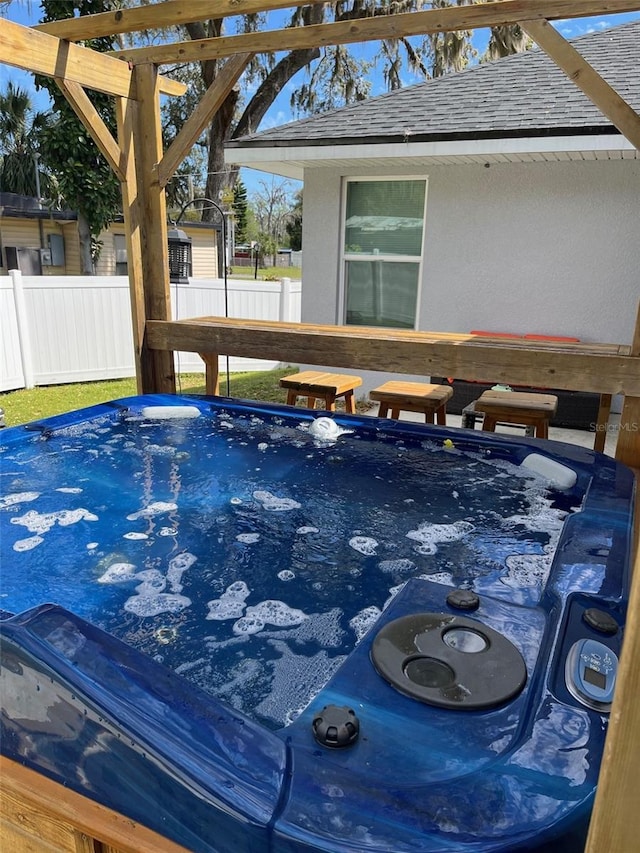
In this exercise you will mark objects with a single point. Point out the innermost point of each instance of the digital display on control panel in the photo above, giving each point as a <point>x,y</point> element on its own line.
<point>592,676</point>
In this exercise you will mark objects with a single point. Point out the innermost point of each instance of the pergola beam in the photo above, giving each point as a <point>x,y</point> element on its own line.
<point>586,78</point>
<point>169,14</point>
<point>176,12</point>
<point>209,104</point>
<point>41,53</point>
<point>376,28</point>
<point>94,125</point>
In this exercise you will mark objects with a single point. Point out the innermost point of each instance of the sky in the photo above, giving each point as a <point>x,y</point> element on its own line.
<point>27,12</point>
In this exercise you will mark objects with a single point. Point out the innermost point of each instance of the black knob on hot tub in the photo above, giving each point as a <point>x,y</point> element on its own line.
<point>336,726</point>
<point>600,621</point>
<point>463,599</point>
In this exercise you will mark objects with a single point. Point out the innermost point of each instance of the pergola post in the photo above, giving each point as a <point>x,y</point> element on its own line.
<point>157,372</point>
<point>628,445</point>
<point>125,117</point>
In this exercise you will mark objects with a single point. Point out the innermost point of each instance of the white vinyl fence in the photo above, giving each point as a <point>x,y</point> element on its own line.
<point>60,329</point>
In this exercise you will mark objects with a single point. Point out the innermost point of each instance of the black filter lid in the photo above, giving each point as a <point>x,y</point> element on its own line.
<point>448,661</point>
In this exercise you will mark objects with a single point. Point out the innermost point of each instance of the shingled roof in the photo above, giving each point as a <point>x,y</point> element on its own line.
<point>525,95</point>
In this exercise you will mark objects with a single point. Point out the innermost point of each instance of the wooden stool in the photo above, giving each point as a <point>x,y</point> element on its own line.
<point>413,397</point>
<point>515,407</point>
<point>315,385</point>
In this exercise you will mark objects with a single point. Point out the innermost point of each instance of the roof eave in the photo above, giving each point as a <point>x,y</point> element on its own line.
<point>61,216</point>
<point>289,160</point>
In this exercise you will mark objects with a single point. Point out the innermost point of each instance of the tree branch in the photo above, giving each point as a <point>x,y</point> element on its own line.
<point>268,91</point>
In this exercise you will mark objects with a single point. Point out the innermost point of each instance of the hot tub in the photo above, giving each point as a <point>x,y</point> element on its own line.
<point>251,628</point>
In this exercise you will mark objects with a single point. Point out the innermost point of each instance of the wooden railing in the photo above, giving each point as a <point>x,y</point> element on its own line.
<point>595,367</point>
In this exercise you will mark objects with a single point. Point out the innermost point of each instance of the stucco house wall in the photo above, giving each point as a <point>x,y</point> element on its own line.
<point>546,248</point>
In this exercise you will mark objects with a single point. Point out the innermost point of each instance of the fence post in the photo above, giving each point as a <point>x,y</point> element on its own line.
<point>285,300</point>
<point>24,338</point>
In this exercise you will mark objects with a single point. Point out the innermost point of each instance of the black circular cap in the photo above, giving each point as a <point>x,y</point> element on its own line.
<point>600,621</point>
<point>463,599</point>
<point>448,660</point>
<point>336,726</point>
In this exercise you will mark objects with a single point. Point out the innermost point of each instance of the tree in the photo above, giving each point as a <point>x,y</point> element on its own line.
<point>86,181</point>
<point>272,209</point>
<point>334,75</point>
<point>240,211</point>
<point>20,129</point>
<point>294,224</point>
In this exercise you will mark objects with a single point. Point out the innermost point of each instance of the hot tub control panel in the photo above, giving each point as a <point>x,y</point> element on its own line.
<point>590,673</point>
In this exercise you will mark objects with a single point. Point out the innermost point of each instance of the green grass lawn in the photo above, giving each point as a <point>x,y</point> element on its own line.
<point>267,273</point>
<point>23,406</point>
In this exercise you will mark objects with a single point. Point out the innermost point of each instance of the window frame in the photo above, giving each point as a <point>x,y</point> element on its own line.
<point>345,257</point>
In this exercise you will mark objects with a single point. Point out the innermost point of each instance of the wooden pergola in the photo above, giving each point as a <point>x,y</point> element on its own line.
<point>144,169</point>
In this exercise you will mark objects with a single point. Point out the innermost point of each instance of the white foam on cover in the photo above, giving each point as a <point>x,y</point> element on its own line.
<point>178,565</point>
<point>275,612</point>
<point>21,497</point>
<point>393,591</point>
<point>159,450</point>
<point>118,573</point>
<point>225,608</point>
<point>286,575</point>
<point>152,605</point>
<point>296,680</point>
<point>272,503</point>
<point>306,529</point>
<point>527,571</point>
<point>152,581</point>
<point>28,544</point>
<point>541,517</point>
<point>248,625</point>
<point>42,522</point>
<point>153,509</point>
<point>238,589</point>
<point>429,536</point>
<point>396,566</point>
<point>364,544</point>
<point>231,603</point>
<point>363,620</point>
<point>321,628</point>
<point>445,578</point>
<point>248,538</point>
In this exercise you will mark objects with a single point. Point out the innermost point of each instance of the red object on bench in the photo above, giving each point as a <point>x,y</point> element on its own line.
<point>483,333</point>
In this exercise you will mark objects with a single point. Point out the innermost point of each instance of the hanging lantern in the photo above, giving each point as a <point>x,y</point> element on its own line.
<point>179,256</point>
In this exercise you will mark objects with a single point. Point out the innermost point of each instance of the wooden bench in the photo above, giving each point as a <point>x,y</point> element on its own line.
<point>413,397</point>
<point>326,387</point>
<point>515,407</point>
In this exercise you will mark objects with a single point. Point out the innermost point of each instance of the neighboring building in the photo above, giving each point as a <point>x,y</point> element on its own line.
<point>206,244</point>
<point>35,240</point>
<point>38,241</point>
<point>497,198</point>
